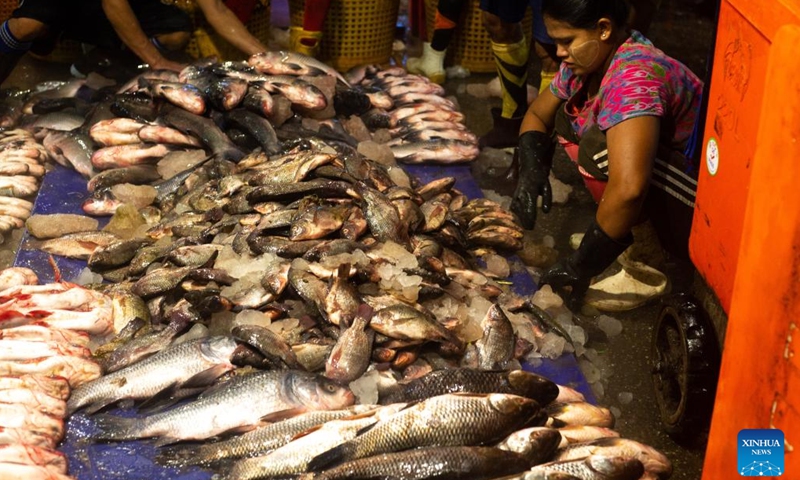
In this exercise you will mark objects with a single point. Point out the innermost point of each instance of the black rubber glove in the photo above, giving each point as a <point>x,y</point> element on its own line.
<point>535,152</point>
<point>596,252</point>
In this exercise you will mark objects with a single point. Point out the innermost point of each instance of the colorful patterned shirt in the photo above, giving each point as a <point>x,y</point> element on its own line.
<point>641,80</point>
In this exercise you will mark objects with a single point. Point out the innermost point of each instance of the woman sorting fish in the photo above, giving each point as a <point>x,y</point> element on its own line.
<point>148,28</point>
<point>624,112</point>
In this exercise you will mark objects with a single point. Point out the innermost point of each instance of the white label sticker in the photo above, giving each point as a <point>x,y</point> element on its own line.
<point>712,156</point>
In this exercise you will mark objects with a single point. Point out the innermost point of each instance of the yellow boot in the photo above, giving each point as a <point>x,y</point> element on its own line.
<point>296,37</point>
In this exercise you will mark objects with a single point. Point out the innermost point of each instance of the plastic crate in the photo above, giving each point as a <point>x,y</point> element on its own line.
<point>471,46</point>
<point>356,32</point>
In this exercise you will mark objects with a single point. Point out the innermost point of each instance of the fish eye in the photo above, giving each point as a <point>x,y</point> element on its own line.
<point>330,388</point>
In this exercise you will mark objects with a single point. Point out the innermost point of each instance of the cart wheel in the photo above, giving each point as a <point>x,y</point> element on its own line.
<point>686,367</point>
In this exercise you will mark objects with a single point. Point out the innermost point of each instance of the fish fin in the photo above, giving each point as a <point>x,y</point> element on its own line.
<point>158,400</point>
<point>93,408</point>
<point>162,441</point>
<point>206,377</point>
<point>113,427</point>
<point>178,456</point>
<point>335,455</point>
<point>366,429</point>
<point>283,414</point>
<point>306,432</point>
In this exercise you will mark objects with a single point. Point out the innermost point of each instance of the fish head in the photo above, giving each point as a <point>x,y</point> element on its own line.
<point>325,394</point>
<point>531,385</point>
<point>515,405</point>
<point>615,466</point>
<point>653,460</point>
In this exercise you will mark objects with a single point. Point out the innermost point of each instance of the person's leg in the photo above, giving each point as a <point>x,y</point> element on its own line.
<point>431,63</point>
<point>35,24</point>
<point>306,39</point>
<point>502,18</point>
<point>544,47</point>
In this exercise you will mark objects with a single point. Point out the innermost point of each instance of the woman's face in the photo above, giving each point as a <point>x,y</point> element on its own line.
<point>583,50</point>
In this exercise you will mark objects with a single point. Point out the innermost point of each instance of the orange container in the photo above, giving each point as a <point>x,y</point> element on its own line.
<point>744,36</point>
<point>759,385</point>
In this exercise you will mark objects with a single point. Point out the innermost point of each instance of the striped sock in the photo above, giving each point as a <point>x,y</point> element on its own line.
<point>9,43</point>
<point>512,67</point>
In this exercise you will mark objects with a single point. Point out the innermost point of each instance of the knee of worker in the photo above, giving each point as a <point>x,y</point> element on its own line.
<point>174,41</point>
<point>500,31</point>
<point>27,29</point>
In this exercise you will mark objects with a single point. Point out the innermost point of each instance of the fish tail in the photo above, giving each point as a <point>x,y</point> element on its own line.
<point>334,456</point>
<point>113,427</point>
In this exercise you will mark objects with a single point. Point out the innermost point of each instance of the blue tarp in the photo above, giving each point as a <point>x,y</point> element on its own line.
<point>63,191</point>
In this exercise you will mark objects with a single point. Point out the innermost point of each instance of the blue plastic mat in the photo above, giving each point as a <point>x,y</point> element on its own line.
<point>63,191</point>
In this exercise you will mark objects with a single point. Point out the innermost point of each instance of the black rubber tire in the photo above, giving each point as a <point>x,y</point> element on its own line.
<point>686,359</point>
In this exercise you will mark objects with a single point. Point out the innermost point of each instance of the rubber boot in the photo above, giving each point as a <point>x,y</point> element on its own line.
<point>304,41</point>
<point>430,64</point>
<point>547,79</point>
<point>504,132</point>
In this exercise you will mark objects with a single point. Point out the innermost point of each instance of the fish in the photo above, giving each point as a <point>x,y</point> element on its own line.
<point>292,63</point>
<point>127,155</point>
<point>268,343</point>
<point>404,322</point>
<point>453,380</point>
<point>297,91</point>
<point>30,472</point>
<point>34,399</point>
<point>135,174</point>
<point>204,129</point>
<point>459,420</point>
<point>291,171</point>
<point>101,205</point>
<point>496,346</point>
<point>59,121</point>
<point>159,281</point>
<point>254,442</point>
<point>309,287</point>
<point>51,460</point>
<point>183,95</point>
<point>56,387</point>
<point>342,301</point>
<point>160,134</point>
<point>536,444</point>
<point>594,467</point>
<point>16,436</point>
<point>259,101</point>
<point>116,254</point>
<point>350,356</point>
<point>352,101</point>
<point>293,457</point>
<point>76,148</point>
<point>439,151</point>
<point>43,333</point>
<point>227,93</point>
<point>138,106</point>
<point>654,462</point>
<point>198,362</point>
<point>579,413</point>
<point>75,370</point>
<point>78,245</point>
<point>382,217</point>
<point>258,127</point>
<point>37,349</point>
<point>291,191</point>
<point>242,403</point>
<point>474,463</point>
<point>317,221</point>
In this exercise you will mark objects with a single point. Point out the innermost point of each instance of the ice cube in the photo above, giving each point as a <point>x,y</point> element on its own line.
<point>625,397</point>
<point>577,334</point>
<point>198,330</point>
<point>457,71</point>
<point>546,298</point>
<point>381,135</point>
<point>616,412</point>
<point>589,370</point>
<point>355,127</point>
<point>252,317</point>
<point>478,90</point>
<point>502,200</point>
<point>548,241</point>
<point>560,189</point>
<point>611,326</point>
<point>497,265</point>
<point>598,389</point>
<point>365,388</point>
<point>399,177</point>
<point>551,345</point>
<point>86,277</point>
<point>379,152</point>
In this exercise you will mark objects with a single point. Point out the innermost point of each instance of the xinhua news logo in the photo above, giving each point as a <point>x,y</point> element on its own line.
<point>760,452</point>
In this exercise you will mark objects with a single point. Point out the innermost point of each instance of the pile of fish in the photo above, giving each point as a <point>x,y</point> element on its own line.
<point>44,340</point>
<point>22,161</point>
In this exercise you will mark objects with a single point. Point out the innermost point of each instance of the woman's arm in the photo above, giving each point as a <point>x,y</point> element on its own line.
<point>542,113</point>
<point>632,146</point>
<point>127,26</point>
<point>228,25</point>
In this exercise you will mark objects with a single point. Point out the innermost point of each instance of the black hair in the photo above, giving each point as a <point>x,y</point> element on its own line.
<point>586,13</point>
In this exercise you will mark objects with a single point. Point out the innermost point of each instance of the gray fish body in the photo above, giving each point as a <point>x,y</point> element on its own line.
<point>256,442</point>
<point>141,346</point>
<point>291,191</point>
<point>241,403</point>
<point>258,127</point>
<point>595,467</point>
<point>350,356</point>
<point>61,121</point>
<point>144,379</point>
<point>404,322</point>
<point>160,281</point>
<point>453,380</point>
<point>136,174</point>
<point>78,245</point>
<point>309,287</point>
<point>537,444</point>
<point>459,420</point>
<point>441,151</point>
<point>204,129</point>
<point>450,463</point>
<point>268,343</point>
<point>382,216</point>
<point>496,347</point>
<point>654,461</point>
<point>116,254</point>
<point>342,299</point>
<point>77,148</point>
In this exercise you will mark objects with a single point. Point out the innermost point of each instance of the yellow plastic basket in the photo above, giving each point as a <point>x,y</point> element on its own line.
<point>356,32</point>
<point>471,47</point>
<point>205,42</point>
